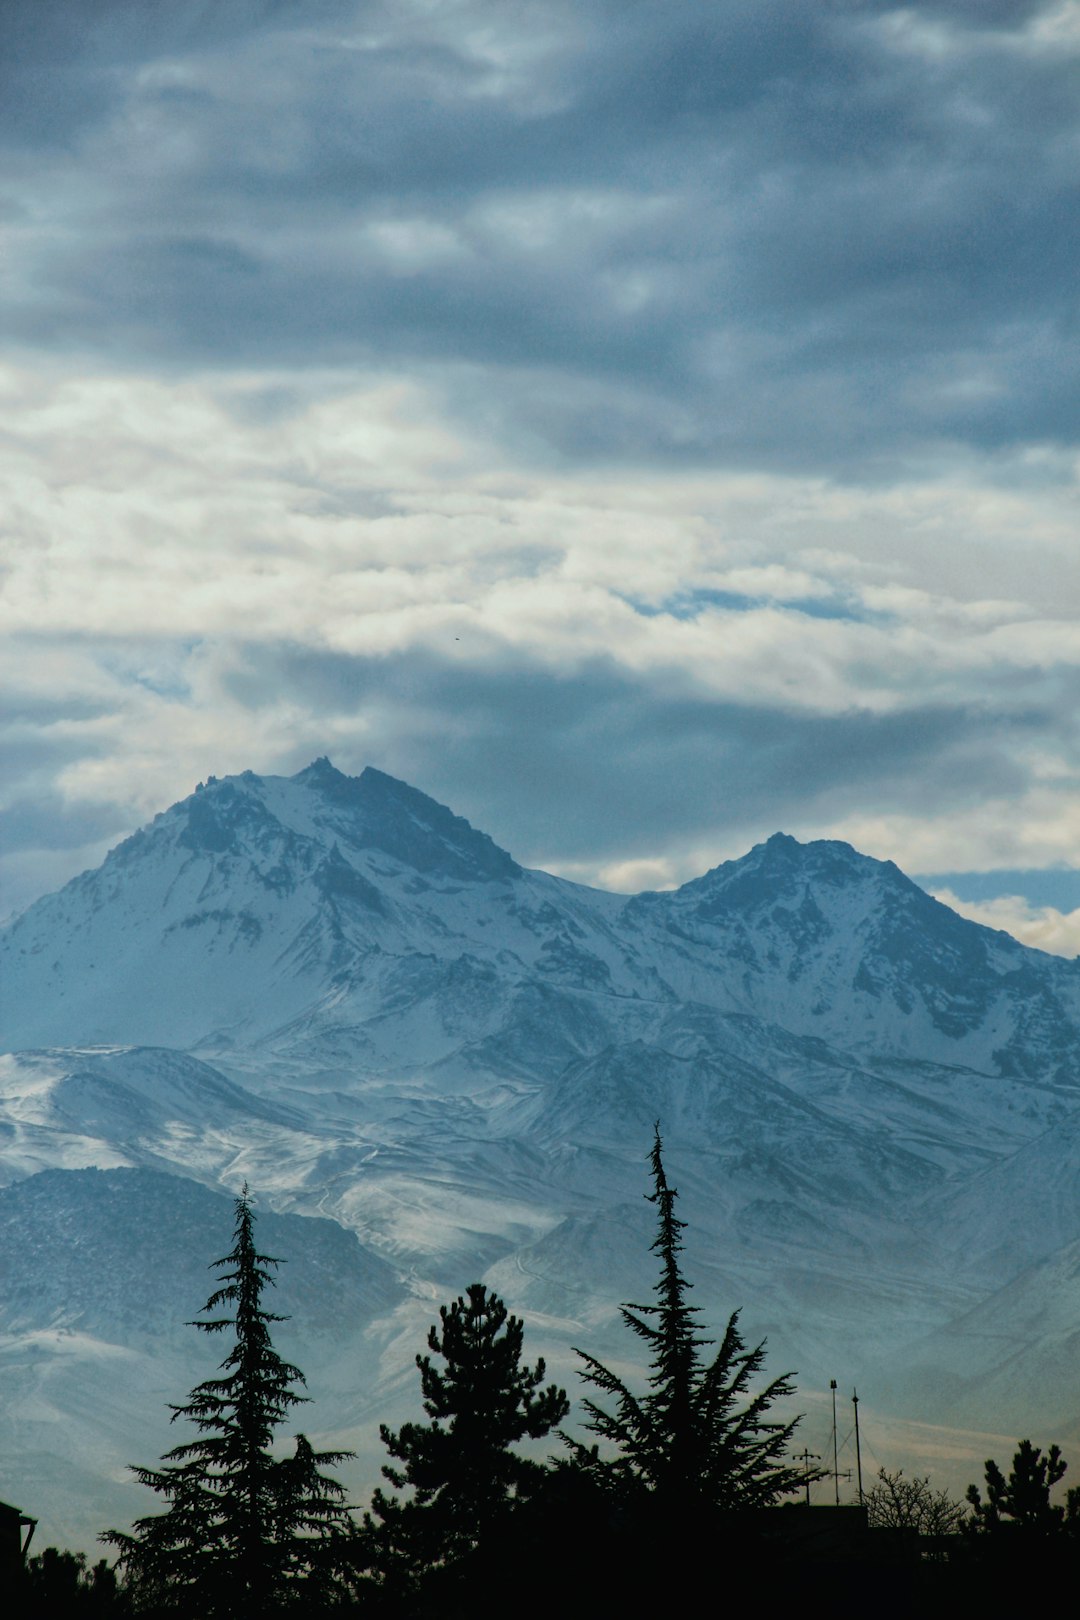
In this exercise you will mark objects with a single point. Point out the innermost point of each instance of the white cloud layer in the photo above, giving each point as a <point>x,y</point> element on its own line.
<point>232,571</point>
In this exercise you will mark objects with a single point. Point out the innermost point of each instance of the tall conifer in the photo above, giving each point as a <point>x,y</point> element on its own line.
<point>701,1437</point>
<point>245,1533</point>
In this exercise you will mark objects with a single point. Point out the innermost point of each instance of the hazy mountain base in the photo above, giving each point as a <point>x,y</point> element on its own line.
<point>869,1105</point>
<point>90,1364</point>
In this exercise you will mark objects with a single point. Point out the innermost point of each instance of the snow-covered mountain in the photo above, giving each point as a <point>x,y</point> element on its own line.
<point>295,910</point>
<point>339,991</point>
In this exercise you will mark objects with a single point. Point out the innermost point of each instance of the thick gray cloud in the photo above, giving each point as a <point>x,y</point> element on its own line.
<point>597,764</point>
<point>835,235</point>
<point>47,823</point>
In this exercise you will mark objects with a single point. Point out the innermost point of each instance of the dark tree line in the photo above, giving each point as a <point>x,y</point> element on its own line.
<point>698,1462</point>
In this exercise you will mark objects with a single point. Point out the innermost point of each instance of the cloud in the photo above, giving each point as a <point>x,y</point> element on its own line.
<point>818,237</point>
<point>244,569</point>
<point>679,762</point>
<point>1042,926</point>
<point>564,406</point>
<point>586,768</point>
<point>1055,887</point>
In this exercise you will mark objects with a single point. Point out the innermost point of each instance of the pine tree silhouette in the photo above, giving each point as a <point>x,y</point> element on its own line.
<point>701,1437</point>
<point>1020,1504</point>
<point>244,1531</point>
<point>460,1469</point>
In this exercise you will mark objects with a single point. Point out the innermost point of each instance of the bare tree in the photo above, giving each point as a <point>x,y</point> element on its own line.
<point>898,1503</point>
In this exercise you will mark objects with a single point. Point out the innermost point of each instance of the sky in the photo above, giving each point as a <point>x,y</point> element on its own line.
<point>642,426</point>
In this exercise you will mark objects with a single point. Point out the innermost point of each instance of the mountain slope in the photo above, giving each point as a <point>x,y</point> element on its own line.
<point>257,902</point>
<point>832,943</point>
<point>298,910</point>
<point>336,989</point>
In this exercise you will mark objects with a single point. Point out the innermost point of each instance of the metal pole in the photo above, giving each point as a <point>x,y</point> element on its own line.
<point>835,1460</point>
<point>806,1458</point>
<point>858,1449</point>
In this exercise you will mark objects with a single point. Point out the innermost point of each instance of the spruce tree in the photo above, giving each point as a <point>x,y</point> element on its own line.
<point>702,1437</point>
<point>245,1533</point>
<point>460,1471</point>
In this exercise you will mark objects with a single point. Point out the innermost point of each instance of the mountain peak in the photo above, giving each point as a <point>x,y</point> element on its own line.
<point>784,847</point>
<point>259,902</point>
<point>782,876</point>
<point>375,810</point>
<point>319,773</point>
<point>828,859</point>
<point>780,860</point>
<point>782,840</point>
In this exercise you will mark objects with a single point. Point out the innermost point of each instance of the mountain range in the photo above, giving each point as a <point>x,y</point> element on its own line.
<point>450,1066</point>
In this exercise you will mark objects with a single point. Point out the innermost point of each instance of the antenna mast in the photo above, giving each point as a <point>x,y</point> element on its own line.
<point>837,1476</point>
<point>858,1448</point>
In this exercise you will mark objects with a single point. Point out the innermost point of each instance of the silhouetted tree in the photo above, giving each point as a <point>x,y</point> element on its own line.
<point>897,1503</point>
<point>460,1469</point>
<point>245,1533</point>
<point>701,1437</point>
<point>1022,1502</point>
<point>61,1585</point>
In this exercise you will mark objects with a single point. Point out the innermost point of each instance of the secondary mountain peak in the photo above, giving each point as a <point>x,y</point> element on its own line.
<point>781,865</point>
<point>770,871</point>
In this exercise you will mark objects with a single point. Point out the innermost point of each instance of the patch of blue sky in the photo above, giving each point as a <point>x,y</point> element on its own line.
<point>1056,886</point>
<point>163,676</point>
<point>831,607</point>
<point>166,686</point>
<point>691,604</point>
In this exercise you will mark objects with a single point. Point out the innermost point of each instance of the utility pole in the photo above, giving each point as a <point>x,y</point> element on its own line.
<point>806,1458</point>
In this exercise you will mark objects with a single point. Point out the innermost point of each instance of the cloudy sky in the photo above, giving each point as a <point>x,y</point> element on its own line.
<point>642,426</point>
